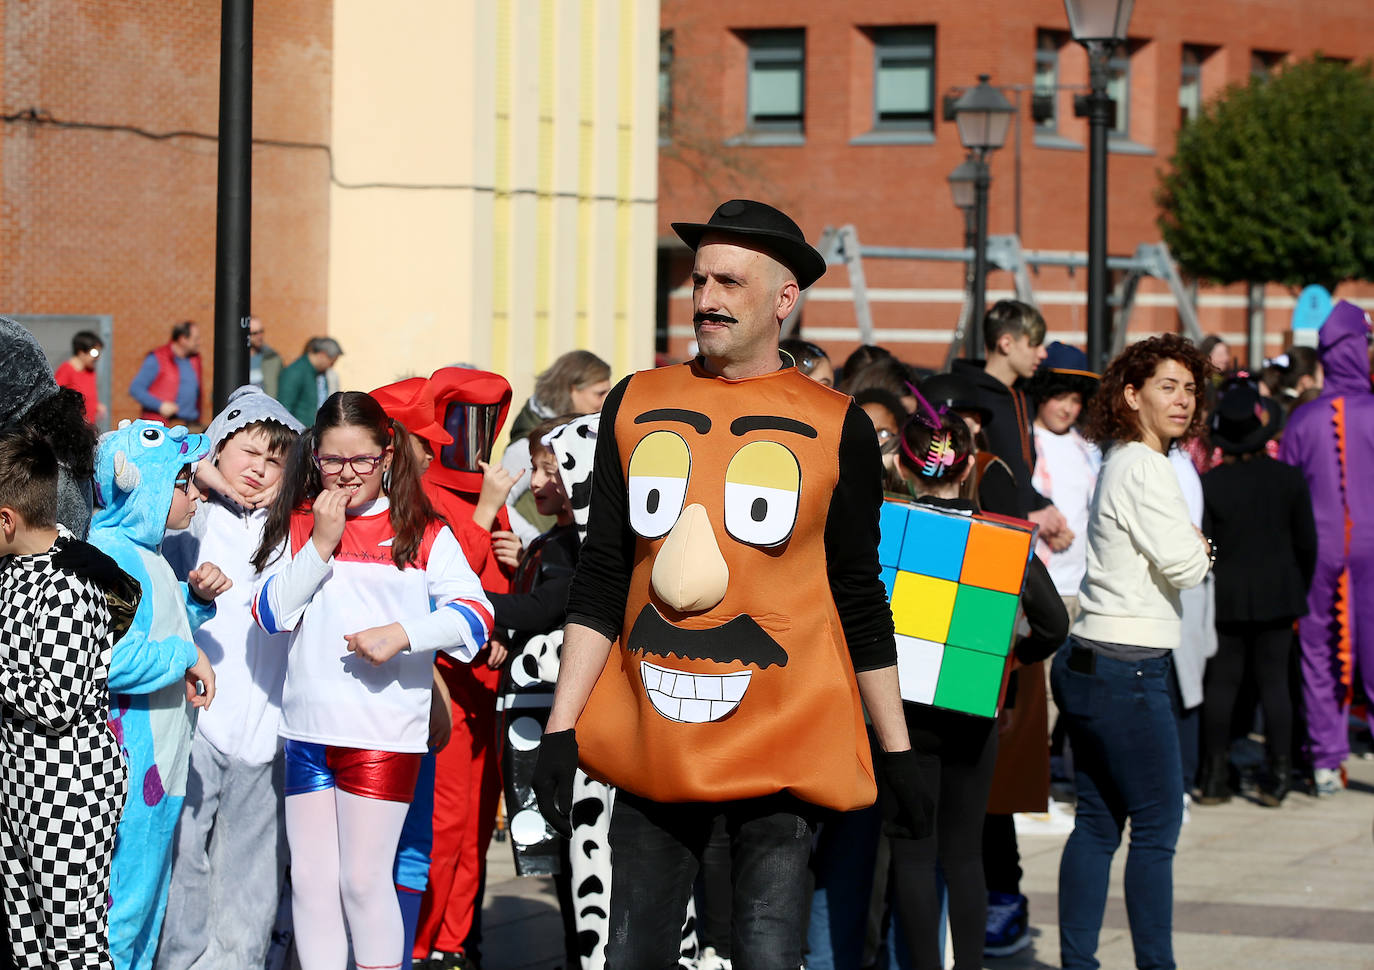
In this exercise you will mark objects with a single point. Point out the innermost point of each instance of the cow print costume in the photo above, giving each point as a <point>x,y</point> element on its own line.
<point>64,781</point>
<point>526,697</point>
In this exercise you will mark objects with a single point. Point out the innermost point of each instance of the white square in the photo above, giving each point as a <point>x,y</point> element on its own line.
<point>918,668</point>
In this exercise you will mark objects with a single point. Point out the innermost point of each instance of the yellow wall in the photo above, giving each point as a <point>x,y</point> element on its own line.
<point>534,124</point>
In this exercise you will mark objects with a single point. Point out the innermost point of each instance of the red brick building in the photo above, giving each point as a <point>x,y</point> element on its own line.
<point>97,220</point>
<point>832,112</point>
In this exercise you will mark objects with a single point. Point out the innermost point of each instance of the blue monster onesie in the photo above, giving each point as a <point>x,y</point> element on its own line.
<point>136,471</point>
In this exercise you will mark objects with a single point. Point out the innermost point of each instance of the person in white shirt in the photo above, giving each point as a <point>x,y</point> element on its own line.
<point>1112,684</point>
<point>370,582</point>
<point>1066,463</point>
<point>229,832</point>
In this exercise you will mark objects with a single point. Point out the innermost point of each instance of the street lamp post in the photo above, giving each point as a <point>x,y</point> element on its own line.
<point>983,115</point>
<point>1100,26</point>
<point>963,188</point>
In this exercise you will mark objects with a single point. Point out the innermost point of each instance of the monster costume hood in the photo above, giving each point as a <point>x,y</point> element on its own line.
<point>136,470</point>
<point>1331,439</point>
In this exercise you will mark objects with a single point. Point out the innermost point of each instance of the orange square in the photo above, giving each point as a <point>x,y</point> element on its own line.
<point>996,558</point>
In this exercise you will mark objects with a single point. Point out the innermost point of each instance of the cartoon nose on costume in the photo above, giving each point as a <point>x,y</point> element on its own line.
<point>689,573</point>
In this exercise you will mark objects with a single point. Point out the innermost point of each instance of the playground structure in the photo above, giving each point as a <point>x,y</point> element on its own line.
<point>841,246</point>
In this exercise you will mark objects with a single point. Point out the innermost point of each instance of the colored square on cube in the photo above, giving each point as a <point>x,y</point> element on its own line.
<point>934,544</point>
<point>983,620</point>
<point>922,606</point>
<point>970,681</point>
<point>889,578</point>
<point>918,668</point>
<point>891,528</point>
<point>996,558</point>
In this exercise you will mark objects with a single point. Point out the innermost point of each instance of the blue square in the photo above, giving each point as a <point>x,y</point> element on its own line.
<point>891,526</point>
<point>934,544</point>
<point>889,576</point>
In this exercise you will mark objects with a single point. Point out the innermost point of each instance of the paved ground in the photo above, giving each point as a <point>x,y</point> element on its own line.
<point>1255,888</point>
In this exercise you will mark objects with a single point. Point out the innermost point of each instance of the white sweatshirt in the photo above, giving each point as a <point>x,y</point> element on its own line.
<point>243,721</point>
<point>331,695</point>
<point>1142,550</point>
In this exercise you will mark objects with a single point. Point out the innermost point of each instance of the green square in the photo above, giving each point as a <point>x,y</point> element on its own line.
<point>984,620</point>
<point>970,681</point>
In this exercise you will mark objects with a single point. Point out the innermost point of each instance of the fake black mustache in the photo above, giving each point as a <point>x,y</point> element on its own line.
<point>713,318</point>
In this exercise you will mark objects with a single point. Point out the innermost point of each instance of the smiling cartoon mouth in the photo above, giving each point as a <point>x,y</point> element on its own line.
<point>693,698</point>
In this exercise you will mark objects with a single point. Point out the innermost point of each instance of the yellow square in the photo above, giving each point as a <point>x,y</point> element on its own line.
<point>922,606</point>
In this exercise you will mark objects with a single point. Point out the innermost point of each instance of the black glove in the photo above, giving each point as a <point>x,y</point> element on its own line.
<point>552,780</point>
<point>908,811</point>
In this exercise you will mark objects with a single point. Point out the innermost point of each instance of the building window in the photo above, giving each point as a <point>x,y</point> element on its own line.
<point>777,71</point>
<point>1046,87</point>
<point>1119,90</point>
<point>904,78</point>
<point>665,83</point>
<point>1190,83</point>
<point>1264,63</point>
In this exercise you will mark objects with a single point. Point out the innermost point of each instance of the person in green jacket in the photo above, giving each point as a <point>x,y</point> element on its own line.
<point>306,382</point>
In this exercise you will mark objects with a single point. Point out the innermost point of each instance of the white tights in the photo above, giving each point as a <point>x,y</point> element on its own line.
<point>343,848</point>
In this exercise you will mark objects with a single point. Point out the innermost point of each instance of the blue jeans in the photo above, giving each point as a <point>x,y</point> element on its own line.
<point>1126,765</point>
<point>655,853</point>
<point>843,862</point>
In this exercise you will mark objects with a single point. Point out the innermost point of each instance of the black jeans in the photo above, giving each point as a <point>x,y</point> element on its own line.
<point>1261,651</point>
<point>656,851</point>
<point>957,771</point>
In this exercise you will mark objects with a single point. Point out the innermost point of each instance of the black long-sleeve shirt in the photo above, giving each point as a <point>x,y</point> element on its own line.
<point>601,586</point>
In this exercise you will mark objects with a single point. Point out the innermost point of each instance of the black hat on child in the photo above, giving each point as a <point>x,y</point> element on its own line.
<point>956,392</point>
<point>1244,419</point>
<point>767,228</point>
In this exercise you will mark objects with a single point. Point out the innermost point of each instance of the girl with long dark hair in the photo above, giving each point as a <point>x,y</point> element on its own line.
<point>351,542</point>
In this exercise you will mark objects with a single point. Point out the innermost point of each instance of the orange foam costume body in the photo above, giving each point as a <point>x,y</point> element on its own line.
<point>472,406</point>
<point>731,678</point>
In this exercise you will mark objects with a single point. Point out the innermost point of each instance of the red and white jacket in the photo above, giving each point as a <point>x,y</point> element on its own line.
<point>331,695</point>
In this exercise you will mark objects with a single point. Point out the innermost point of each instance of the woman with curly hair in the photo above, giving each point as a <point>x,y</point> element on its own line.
<point>1112,684</point>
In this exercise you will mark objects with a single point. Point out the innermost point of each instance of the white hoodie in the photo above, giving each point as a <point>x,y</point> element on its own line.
<point>250,664</point>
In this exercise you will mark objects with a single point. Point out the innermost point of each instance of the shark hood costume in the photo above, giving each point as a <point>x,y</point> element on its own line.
<point>136,470</point>
<point>1332,440</point>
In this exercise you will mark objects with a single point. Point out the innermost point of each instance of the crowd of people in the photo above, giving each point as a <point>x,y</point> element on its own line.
<point>265,689</point>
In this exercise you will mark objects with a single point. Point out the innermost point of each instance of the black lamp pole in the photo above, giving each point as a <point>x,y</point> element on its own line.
<point>973,336</point>
<point>1100,26</point>
<point>234,208</point>
<point>1101,114</point>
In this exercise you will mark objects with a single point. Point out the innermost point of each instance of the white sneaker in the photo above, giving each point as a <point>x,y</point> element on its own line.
<point>1328,782</point>
<point>1187,808</point>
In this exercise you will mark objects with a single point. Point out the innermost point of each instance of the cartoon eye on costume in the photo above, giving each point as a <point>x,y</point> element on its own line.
<point>761,489</point>
<point>659,468</point>
<point>151,437</point>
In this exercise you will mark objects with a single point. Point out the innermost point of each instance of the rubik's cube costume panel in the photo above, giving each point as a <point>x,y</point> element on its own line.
<point>954,583</point>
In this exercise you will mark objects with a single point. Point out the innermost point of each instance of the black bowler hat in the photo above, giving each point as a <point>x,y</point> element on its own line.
<point>1244,420</point>
<point>956,392</point>
<point>765,226</point>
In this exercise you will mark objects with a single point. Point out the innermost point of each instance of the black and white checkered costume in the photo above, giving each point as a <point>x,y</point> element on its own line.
<point>61,775</point>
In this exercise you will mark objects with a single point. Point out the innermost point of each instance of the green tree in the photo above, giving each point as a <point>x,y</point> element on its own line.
<point>1274,180</point>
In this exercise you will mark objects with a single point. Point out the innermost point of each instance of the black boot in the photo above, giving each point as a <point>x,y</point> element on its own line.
<point>1215,788</point>
<point>1281,768</point>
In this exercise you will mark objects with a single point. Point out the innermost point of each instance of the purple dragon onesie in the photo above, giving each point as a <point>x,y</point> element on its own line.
<point>1332,440</point>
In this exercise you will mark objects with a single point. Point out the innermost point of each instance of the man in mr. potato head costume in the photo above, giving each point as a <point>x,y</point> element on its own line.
<point>728,591</point>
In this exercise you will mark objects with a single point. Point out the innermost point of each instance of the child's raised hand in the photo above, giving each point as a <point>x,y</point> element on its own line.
<point>210,479</point>
<point>207,581</point>
<point>378,644</point>
<point>198,675</point>
<point>497,482</point>
<point>506,547</point>
<point>329,509</point>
